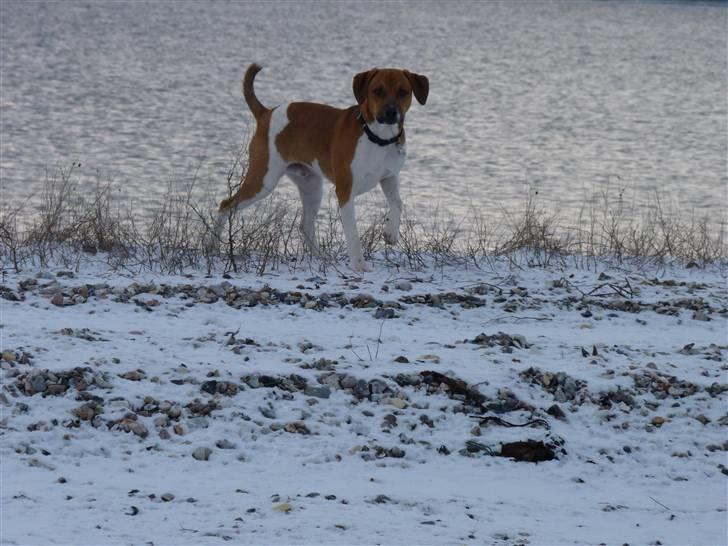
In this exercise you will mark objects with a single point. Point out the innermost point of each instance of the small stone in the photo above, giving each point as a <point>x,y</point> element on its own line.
<point>8,356</point>
<point>35,383</point>
<point>396,453</point>
<point>430,358</point>
<point>195,423</point>
<point>161,421</point>
<point>138,428</point>
<point>167,497</point>
<point>703,419</point>
<point>384,313</point>
<point>557,412</point>
<point>297,427</point>
<point>283,507</point>
<point>85,412</point>
<point>225,444</point>
<point>318,392</point>
<point>202,453</point>
<point>361,390</point>
<point>57,299</point>
<point>658,421</point>
<point>133,375</point>
<point>56,389</point>
<point>404,286</point>
<point>397,403</point>
<point>164,434</point>
<point>178,430</point>
<point>402,360</point>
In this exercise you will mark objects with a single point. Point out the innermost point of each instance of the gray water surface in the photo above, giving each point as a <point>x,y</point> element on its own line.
<point>569,98</point>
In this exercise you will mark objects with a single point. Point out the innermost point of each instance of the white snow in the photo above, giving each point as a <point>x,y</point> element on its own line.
<point>667,488</point>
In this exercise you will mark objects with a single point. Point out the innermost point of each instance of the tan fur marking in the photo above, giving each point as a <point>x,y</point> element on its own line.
<point>322,134</point>
<point>257,168</point>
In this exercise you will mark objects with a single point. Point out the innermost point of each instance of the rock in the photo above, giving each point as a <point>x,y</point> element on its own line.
<point>361,390</point>
<point>202,453</point>
<point>377,386</point>
<point>402,360</point>
<point>530,451</point>
<point>174,412</point>
<point>348,382</point>
<point>195,423</point>
<point>225,444</point>
<point>57,299</point>
<point>161,421</point>
<point>430,358</point>
<point>35,383</point>
<point>164,434</point>
<point>404,286</point>
<point>267,412</point>
<point>297,427</point>
<point>318,392</point>
<point>167,497</point>
<point>138,428</point>
<point>701,315</point>
<point>658,421</point>
<point>703,419</point>
<point>133,375</point>
<point>396,452</point>
<point>8,356</point>
<point>384,313</point>
<point>283,507</point>
<point>397,403</point>
<point>85,412</point>
<point>220,387</point>
<point>557,412</point>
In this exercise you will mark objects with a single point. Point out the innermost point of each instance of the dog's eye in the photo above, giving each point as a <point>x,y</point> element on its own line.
<point>403,93</point>
<point>379,92</point>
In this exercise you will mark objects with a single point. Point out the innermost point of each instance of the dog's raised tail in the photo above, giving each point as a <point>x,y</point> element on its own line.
<point>249,93</point>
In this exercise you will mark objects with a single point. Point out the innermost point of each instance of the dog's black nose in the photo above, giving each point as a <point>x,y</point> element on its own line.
<point>390,113</point>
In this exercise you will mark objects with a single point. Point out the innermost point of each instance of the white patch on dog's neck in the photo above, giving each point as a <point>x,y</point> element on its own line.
<point>383,130</point>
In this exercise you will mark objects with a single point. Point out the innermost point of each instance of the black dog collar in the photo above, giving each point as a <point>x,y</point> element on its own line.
<point>374,138</point>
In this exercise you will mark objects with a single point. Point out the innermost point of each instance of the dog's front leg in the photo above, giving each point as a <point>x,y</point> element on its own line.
<point>390,187</point>
<point>348,219</point>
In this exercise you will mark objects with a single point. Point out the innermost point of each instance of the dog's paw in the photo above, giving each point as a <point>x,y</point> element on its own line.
<point>360,266</point>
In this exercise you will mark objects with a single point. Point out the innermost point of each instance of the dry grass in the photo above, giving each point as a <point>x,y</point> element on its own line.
<point>70,226</point>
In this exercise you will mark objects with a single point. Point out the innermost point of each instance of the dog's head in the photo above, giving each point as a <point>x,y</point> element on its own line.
<point>385,94</point>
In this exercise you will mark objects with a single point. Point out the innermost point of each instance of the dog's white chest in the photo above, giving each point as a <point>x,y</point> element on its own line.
<point>372,162</point>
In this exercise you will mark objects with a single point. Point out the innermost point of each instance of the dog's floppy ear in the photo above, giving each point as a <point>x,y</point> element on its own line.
<point>361,84</point>
<point>420,86</point>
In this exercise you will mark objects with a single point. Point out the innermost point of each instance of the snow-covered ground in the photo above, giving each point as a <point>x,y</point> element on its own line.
<point>289,409</point>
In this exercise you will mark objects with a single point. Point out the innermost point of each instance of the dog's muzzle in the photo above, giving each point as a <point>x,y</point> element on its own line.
<point>390,115</point>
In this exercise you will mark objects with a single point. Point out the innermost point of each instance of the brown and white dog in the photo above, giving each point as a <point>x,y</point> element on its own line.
<point>355,148</point>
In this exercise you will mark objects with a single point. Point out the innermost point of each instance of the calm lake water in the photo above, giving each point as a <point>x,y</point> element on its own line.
<point>570,98</point>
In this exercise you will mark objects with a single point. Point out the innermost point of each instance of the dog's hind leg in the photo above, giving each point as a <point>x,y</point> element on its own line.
<point>265,169</point>
<point>310,188</point>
